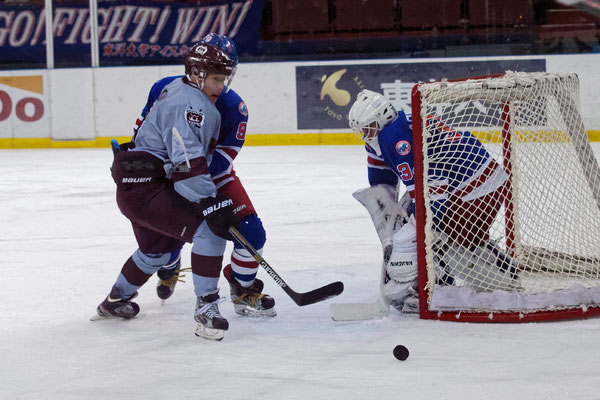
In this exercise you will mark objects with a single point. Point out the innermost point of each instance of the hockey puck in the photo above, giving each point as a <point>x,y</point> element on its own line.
<point>401,352</point>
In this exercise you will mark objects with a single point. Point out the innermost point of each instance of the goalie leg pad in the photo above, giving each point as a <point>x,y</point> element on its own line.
<point>401,268</point>
<point>402,265</point>
<point>397,292</point>
<point>485,268</point>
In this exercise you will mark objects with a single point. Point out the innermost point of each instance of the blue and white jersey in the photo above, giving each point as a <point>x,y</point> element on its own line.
<point>232,135</point>
<point>181,128</point>
<point>459,164</point>
<point>234,120</point>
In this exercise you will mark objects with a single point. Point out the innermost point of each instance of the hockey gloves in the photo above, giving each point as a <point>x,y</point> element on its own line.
<point>219,215</point>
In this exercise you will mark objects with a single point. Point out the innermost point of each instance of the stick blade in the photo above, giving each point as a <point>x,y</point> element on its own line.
<point>358,311</point>
<point>317,295</point>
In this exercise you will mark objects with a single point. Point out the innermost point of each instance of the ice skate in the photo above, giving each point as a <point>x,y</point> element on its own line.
<point>249,301</point>
<point>211,324</point>
<point>116,307</point>
<point>411,303</point>
<point>168,278</point>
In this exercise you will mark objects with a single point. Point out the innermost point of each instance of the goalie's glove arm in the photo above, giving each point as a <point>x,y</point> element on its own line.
<point>378,172</point>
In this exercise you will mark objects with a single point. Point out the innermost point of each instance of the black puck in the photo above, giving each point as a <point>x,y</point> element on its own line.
<point>401,352</point>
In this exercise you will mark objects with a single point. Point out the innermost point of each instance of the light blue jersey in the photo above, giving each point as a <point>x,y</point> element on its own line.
<point>182,129</point>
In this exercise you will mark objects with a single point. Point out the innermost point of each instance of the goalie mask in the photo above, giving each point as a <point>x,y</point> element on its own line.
<point>203,59</point>
<point>369,114</point>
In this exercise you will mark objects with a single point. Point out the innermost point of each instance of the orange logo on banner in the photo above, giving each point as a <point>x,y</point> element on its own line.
<point>30,83</point>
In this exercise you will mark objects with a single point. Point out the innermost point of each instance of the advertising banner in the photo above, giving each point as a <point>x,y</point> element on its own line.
<point>23,107</point>
<point>325,93</point>
<point>130,32</point>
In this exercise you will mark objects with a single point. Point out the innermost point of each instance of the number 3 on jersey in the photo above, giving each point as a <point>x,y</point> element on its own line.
<point>404,171</point>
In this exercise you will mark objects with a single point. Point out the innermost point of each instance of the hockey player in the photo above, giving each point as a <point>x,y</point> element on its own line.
<point>245,288</point>
<point>465,199</point>
<point>165,189</point>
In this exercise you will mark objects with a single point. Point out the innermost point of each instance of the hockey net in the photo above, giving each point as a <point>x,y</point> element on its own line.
<point>541,260</point>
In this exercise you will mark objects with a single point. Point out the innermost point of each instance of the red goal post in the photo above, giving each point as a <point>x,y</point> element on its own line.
<point>541,260</point>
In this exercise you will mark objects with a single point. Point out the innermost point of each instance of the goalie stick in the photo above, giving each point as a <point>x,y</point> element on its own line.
<point>363,311</point>
<point>302,299</point>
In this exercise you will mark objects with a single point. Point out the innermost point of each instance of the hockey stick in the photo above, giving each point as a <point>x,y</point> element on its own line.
<point>302,299</point>
<point>363,311</point>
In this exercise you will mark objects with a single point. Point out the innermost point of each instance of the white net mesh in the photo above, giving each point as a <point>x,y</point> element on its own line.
<point>512,195</point>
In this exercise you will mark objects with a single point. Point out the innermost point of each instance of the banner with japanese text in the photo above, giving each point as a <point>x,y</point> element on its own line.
<point>129,32</point>
<point>324,94</point>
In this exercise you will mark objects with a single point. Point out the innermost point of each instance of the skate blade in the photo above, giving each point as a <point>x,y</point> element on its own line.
<point>246,311</point>
<point>209,333</point>
<point>411,306</point>
<point>97,317</point>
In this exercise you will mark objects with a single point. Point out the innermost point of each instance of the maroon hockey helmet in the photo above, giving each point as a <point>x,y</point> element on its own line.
<point>206,58</point>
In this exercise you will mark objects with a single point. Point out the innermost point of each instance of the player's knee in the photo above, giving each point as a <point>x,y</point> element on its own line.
<point>252,229</point>
<point>484,268</point>
<point>150,263</point>
<point>405,238</point>
<point>503,261</point>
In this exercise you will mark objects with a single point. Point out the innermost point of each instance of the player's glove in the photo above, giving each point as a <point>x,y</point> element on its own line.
<point>219,215</point>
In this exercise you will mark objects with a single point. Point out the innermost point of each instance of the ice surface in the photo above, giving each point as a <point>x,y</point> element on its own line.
<point>63,242</point>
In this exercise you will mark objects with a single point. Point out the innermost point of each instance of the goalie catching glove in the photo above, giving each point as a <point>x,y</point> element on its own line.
<point>219,215</point>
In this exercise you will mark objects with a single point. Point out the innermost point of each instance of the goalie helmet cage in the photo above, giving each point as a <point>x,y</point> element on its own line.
<point>542,258</point>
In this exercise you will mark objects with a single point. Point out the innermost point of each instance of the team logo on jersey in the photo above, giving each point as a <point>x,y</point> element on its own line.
<point>435,123</point>
<point>403,147</point>
<point>195,118</point>
<point>243,109</point>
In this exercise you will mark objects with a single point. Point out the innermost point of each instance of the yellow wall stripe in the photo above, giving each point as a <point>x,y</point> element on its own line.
<point>299,139</point>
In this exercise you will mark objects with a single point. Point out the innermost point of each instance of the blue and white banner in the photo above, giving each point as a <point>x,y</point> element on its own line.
<point>129,32</point>
<point>326,93</point>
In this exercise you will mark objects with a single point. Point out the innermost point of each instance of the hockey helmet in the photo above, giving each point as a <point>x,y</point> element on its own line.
<point>370,113</point>
<point>224,43</point>
<point>203,59</point>
<point>227,45</point>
